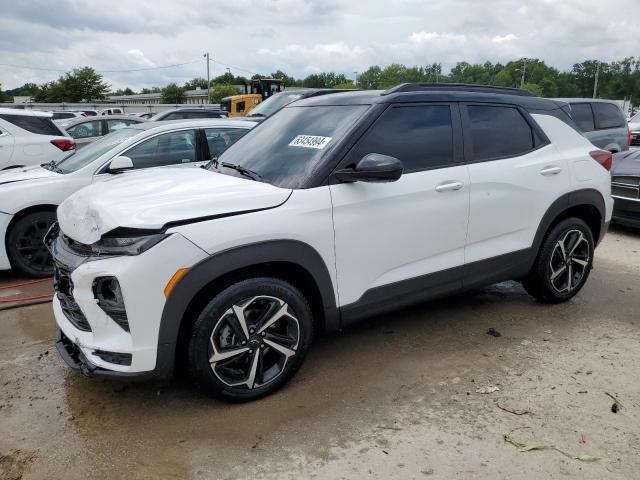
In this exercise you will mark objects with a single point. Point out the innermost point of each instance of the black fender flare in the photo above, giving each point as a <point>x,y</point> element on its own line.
<point>227,261</point>
<point>590,197</point>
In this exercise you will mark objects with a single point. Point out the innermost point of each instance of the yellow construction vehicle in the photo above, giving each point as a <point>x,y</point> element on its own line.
<point>255,91</point>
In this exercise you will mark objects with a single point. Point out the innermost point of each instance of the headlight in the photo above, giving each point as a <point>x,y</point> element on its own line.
<point>127,245</point>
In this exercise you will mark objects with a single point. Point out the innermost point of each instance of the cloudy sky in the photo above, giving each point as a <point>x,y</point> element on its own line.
<point>300,37</point>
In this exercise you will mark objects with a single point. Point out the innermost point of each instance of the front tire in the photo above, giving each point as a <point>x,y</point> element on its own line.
<point>250,339</point>
<point>563,263</point>
<point>25,244</point>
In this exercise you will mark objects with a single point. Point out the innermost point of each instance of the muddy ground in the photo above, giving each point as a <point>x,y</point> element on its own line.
<point>395,397</point>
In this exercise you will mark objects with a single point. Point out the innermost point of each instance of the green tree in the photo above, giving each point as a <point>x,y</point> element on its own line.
<point>80,85</point>
<point>195,83</point>
<point>172,93</point>
<point>220,91</point>
<point>345,86</point>
<point>151,90</point>
<point>370,78</point>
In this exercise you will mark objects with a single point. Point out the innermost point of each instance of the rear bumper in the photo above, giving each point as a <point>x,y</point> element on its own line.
<point>626,211</point>
<point>5,219</point>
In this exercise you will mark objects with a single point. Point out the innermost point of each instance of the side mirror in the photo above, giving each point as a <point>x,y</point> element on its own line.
<point>120,164</point>
<point>373,167</point>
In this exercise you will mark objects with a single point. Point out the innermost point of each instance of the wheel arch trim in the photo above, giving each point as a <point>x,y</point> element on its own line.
<point>226,262</point>
<point>586,197</point>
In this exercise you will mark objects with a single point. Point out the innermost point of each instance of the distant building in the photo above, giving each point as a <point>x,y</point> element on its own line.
<point>191,97</point>
<point>22,99</point>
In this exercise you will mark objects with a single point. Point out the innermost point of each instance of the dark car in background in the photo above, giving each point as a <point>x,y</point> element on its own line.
<point>601,121</point>
<point>188,113</point>
<point>625,188</point>
<point>280,100</point>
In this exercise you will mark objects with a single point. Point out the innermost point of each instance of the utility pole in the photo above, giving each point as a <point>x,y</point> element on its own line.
<point>355,82</point>
<point>524,70</point>
<point>595,81</point>
<point>206,55</point>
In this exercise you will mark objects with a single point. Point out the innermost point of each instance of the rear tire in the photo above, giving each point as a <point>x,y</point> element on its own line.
<point>250,339</point>
<point>25,244</point>
<point>563,264</point>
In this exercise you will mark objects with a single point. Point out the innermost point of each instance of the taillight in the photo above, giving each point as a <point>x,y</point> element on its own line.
<point>64,144</point>
<point>603,157</point>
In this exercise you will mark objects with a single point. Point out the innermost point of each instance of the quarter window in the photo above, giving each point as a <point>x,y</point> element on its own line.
<point>219,139</point>
<point>498,132</point>
<point>421,137</point>
<point>583,116</point>
<point>608,115</point>
<point>167,149</point>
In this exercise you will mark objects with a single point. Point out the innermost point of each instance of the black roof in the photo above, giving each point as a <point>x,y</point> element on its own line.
<point>407,93</point>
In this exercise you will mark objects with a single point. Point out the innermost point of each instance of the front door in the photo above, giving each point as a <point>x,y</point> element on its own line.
<point>401,241</point>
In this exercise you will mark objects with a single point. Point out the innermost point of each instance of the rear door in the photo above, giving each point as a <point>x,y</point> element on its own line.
<point>404,239</point>
<point>515,175</point>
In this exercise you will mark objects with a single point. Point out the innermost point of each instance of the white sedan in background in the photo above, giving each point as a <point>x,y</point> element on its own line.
<point>30,138</point>
<point>29,196</point>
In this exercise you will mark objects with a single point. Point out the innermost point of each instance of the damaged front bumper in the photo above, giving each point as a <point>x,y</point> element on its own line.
<point>72,354</point>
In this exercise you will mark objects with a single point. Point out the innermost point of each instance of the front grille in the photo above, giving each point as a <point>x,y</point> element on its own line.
<point>63,286</point>
<point>626,180</point>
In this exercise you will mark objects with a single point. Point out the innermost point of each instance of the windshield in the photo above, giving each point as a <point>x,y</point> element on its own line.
<point>286,150</point>
<point>272,104</point>
<point>88,154</point>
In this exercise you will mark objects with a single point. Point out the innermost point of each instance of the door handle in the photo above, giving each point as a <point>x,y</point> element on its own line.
<point>550,170</point>
<point>449,186</point>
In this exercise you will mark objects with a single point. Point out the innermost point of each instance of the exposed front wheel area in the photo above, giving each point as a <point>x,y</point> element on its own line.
<point>252,342</point>
<point>250,339</point>
<point>25,244</point>
<point>563,263</point>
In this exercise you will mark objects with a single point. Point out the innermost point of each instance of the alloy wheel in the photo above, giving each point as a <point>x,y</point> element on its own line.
<point>253,341</point>
<point>569,261</point>
<point>30,245</point>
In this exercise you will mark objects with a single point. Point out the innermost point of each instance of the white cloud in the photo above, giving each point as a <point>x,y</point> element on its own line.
<point>301,36</point>
<point>510,37</point>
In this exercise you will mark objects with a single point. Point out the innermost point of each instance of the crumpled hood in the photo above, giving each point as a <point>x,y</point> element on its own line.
<point>25,173</point>
<point>151,199</point>
<point>626,163</point>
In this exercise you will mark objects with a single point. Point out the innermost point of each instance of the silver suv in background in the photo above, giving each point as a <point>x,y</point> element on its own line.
<point>601,121</point>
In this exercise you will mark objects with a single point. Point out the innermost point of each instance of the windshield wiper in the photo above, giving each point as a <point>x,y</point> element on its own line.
<point>243,170</point>
<point>52,166</point>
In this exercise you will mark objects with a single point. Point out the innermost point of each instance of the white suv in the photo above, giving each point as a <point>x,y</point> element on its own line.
<point>30,138</point>
<point>336,208</point>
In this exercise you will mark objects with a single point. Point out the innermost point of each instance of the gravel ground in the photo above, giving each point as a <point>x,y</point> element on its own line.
<point>395,397</point>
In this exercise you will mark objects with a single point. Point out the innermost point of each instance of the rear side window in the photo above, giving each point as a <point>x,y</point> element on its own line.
<point>421,137</point>
<point>608,115</point>
<point>85,130</point>
<point>583,116</point>
<point>37,125</point>
<point>498,132</point>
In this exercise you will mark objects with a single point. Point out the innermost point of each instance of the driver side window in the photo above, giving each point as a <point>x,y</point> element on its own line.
<point>172,148</point>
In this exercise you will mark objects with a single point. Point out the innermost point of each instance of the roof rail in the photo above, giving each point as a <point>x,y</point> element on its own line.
<point>458,87</point>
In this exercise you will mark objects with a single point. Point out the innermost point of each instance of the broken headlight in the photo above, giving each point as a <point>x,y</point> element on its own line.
<point>127,245</point>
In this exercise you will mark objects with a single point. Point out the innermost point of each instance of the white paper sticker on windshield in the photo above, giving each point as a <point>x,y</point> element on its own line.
<point>310,141</point>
